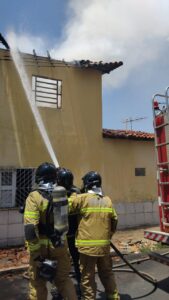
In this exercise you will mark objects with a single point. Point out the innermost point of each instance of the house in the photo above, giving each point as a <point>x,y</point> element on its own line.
<point>52,111</point>
<point>130,176</point>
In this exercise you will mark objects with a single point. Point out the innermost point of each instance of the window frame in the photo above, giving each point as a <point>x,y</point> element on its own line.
<point>23,180</point>
<point>11,187</point>
<point>47,91</point>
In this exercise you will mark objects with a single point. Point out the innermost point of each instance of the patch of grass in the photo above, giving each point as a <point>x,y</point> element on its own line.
<point>148,248</point>
<point>145,248</point>
<point>160,246</point>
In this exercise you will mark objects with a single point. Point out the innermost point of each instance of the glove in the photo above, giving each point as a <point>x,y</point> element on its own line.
<point>113,226</point>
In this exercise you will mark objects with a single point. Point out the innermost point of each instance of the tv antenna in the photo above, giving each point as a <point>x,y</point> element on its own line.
<point>131,120</point>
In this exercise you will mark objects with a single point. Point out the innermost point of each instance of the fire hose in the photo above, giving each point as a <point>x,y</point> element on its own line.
<point>143,275</point>
<point>147,277</point>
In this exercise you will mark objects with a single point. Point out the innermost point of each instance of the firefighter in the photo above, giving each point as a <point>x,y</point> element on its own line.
<point>98,221</point>
<point>47,250</point>
<point>65,178</point>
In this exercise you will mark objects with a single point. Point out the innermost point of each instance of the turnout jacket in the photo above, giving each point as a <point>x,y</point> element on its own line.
<point>97,223</point>
<point>35,222</point>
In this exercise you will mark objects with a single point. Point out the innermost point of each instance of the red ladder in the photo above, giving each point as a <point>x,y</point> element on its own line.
<point>161,130</point>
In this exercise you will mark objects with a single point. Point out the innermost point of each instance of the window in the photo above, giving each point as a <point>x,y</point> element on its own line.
<point>15,185</point>
<point>47,92</point>
<point>7,188</point>
<point>140,172</point>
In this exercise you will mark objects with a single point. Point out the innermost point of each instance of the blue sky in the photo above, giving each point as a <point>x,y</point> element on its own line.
<point>134,31</point>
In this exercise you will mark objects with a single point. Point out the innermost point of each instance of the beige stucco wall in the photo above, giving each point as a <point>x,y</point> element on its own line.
<point>75,132</point>
<point>121,158</point>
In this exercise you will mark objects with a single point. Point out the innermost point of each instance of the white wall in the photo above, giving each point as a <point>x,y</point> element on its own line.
<point>130,215</point>
<point>11,228</point>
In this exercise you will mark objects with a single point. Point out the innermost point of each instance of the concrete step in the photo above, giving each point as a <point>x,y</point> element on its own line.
<point>159,258</point>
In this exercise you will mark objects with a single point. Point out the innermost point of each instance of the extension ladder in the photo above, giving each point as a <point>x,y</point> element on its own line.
<point>161,129</point>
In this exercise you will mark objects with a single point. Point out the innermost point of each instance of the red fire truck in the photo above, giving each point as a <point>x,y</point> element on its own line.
<point>160,104</point>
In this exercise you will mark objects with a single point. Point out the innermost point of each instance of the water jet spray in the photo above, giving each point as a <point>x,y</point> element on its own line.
<point>28,91</point>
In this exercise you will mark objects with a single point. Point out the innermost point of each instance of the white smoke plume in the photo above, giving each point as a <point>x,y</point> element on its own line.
<point>133,31</point>
<point>26,42</point>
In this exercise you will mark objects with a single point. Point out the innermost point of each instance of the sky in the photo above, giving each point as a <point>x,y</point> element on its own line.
<point>133,31</point>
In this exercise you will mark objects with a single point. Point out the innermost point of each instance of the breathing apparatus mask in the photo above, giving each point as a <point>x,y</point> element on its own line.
<point>48,187</point>
<point>96,190</point>
<point>47,269</point>
<point>92,183</point>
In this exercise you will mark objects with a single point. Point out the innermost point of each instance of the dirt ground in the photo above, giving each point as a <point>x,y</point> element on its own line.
<point>133,241</point>
<point>14,285</point>
<point>127,241</point>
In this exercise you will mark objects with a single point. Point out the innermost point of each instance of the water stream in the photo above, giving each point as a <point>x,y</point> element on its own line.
<point>28,91</point>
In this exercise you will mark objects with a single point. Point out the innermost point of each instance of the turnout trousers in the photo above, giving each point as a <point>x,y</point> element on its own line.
<point>88,285</point>
<point>37,285</point>
<point>75,257</point>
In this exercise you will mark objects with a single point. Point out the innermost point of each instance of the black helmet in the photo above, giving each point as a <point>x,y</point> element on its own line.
<point>45,173</point>
<point>65,178</point>
<point>92,179</point>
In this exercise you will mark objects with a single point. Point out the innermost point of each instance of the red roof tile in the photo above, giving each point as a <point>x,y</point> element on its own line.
<point>127,134</point>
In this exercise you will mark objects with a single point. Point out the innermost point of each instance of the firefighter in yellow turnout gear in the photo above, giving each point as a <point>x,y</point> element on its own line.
<point>98,221</point>
<point>44,243</point>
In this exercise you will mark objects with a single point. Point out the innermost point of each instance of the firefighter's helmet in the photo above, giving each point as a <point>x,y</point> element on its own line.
<point>65,178</point>
<point>45,173</point>
<point>91,179</point>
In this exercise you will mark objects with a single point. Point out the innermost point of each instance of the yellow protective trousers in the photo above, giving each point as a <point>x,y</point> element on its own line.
<point>88,285</point>
<point>37,285</point>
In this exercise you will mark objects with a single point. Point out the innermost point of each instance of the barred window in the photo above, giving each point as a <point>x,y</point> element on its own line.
<point>47,92</point>
<point>15,185</point>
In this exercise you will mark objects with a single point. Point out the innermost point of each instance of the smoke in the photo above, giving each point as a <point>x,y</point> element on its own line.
<point>26,42</point>
<point>134,31</point>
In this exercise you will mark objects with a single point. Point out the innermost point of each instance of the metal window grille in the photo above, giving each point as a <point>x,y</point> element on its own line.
<point>47,92</point>
<point>15,185</point>
<point>140,172</point>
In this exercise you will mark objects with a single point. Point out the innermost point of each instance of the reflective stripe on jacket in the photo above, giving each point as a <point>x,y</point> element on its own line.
<point>97,216</point>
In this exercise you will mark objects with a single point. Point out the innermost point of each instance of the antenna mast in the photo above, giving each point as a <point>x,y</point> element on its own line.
<point>131,120</point>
